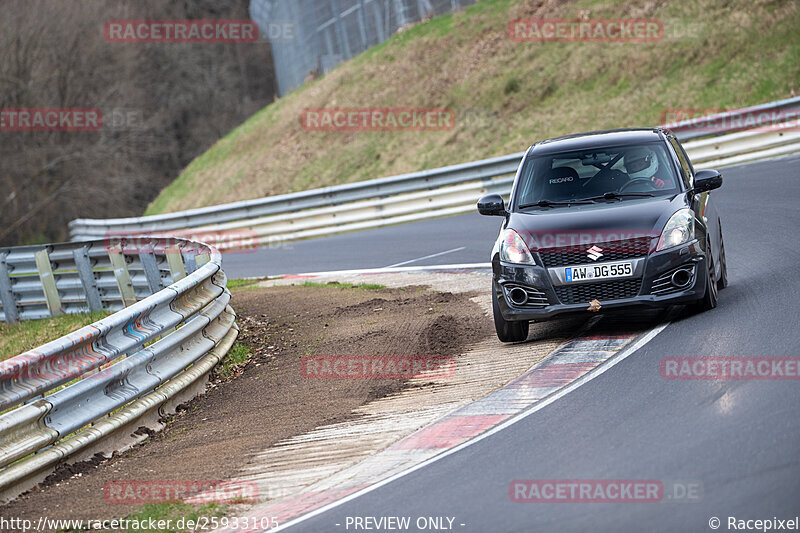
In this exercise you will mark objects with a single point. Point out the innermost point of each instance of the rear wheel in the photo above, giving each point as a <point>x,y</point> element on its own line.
<point>508,330</point>
<point>709,299</point>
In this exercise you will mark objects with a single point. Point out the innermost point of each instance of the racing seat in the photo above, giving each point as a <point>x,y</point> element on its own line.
<point>563,183</point>
<point>606,180</point>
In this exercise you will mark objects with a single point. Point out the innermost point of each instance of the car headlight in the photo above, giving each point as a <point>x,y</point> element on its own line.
<point>513,249</point>
<point>678,230</point>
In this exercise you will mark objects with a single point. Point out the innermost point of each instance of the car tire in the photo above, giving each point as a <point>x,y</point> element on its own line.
<point>722,282</point>
<point>508,330</point>
<point>709,299</point>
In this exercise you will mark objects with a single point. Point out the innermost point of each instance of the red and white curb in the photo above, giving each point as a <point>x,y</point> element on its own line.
<point>568,367</point>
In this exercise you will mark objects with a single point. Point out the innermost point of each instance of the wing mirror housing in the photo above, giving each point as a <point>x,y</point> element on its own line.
<point>707,180</point>
<point>492,205</point>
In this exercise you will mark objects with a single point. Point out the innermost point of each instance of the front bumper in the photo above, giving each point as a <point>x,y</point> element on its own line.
<point>552,298</point>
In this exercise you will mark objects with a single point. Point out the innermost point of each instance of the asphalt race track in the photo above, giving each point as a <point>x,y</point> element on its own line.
<point>473,235</point>
<point>739,441</point>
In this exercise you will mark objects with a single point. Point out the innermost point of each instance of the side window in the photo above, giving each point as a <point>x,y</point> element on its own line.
<point>686,166</point>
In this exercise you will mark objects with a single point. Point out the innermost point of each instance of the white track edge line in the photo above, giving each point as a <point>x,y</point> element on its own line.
<point>384,270</point>
<point>597,371</point>
<point>427,257</point>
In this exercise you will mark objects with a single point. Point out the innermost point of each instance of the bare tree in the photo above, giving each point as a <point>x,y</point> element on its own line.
<point>162,104</point>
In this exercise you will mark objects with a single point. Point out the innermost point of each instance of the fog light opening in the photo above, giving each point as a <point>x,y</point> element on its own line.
<point>681,278</point>
<point>518,296</point>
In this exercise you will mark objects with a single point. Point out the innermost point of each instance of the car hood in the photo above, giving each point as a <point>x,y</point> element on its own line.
<point>594,223</point>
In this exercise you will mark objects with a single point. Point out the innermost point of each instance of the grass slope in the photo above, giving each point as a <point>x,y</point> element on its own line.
<point>23,336</point>
<point>506,94</point>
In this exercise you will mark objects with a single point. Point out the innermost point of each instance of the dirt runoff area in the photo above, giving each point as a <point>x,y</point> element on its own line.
<point>268,400</point>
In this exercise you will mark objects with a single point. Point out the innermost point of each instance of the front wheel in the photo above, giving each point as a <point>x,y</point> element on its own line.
<point>722,282</point>
<point>709,299</point>
<point>508,330</point>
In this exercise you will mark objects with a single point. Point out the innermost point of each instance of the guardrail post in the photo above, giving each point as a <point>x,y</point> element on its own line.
<point>176,268</point>
<point>201,259</point>
<point>123,277</point>
<point>88,281</point>
<point>151,272</point>
<point>190,262</point>
<point>6,294</point>
<point>48,281</point>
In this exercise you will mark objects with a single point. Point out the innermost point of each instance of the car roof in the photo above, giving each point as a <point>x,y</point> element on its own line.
<point>597,139</point>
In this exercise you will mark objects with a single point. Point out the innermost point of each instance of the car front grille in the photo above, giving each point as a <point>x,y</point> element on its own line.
<point>612,251</point>
<point>601,290</point>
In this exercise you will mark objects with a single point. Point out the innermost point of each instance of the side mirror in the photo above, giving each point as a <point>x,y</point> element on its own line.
<point>492,205</point>
<point>707,180</point>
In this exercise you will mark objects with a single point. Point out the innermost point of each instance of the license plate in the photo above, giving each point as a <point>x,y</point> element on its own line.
<point>603,271</point>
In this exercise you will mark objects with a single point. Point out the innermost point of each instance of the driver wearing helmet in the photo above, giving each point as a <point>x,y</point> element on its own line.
<point>642,163</point>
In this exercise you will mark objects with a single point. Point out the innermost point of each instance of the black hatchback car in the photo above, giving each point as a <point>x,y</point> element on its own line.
<point>604,220</point>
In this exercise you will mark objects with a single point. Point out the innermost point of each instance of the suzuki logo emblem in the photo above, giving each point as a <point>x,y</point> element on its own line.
<point>594,253</point>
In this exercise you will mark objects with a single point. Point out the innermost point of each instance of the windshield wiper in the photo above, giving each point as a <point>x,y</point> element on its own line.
<point>615,196</point>
<point>551,203</point>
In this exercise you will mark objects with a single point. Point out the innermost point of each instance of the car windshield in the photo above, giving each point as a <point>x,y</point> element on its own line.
<point>596,175</point>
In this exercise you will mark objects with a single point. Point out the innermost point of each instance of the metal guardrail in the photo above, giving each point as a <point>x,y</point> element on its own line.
<point>735,119</point>
<point>744,146</point>
<point>428,194</point>
<point>89,390</point>
<point>43,281</point>
<point>291,203</point>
